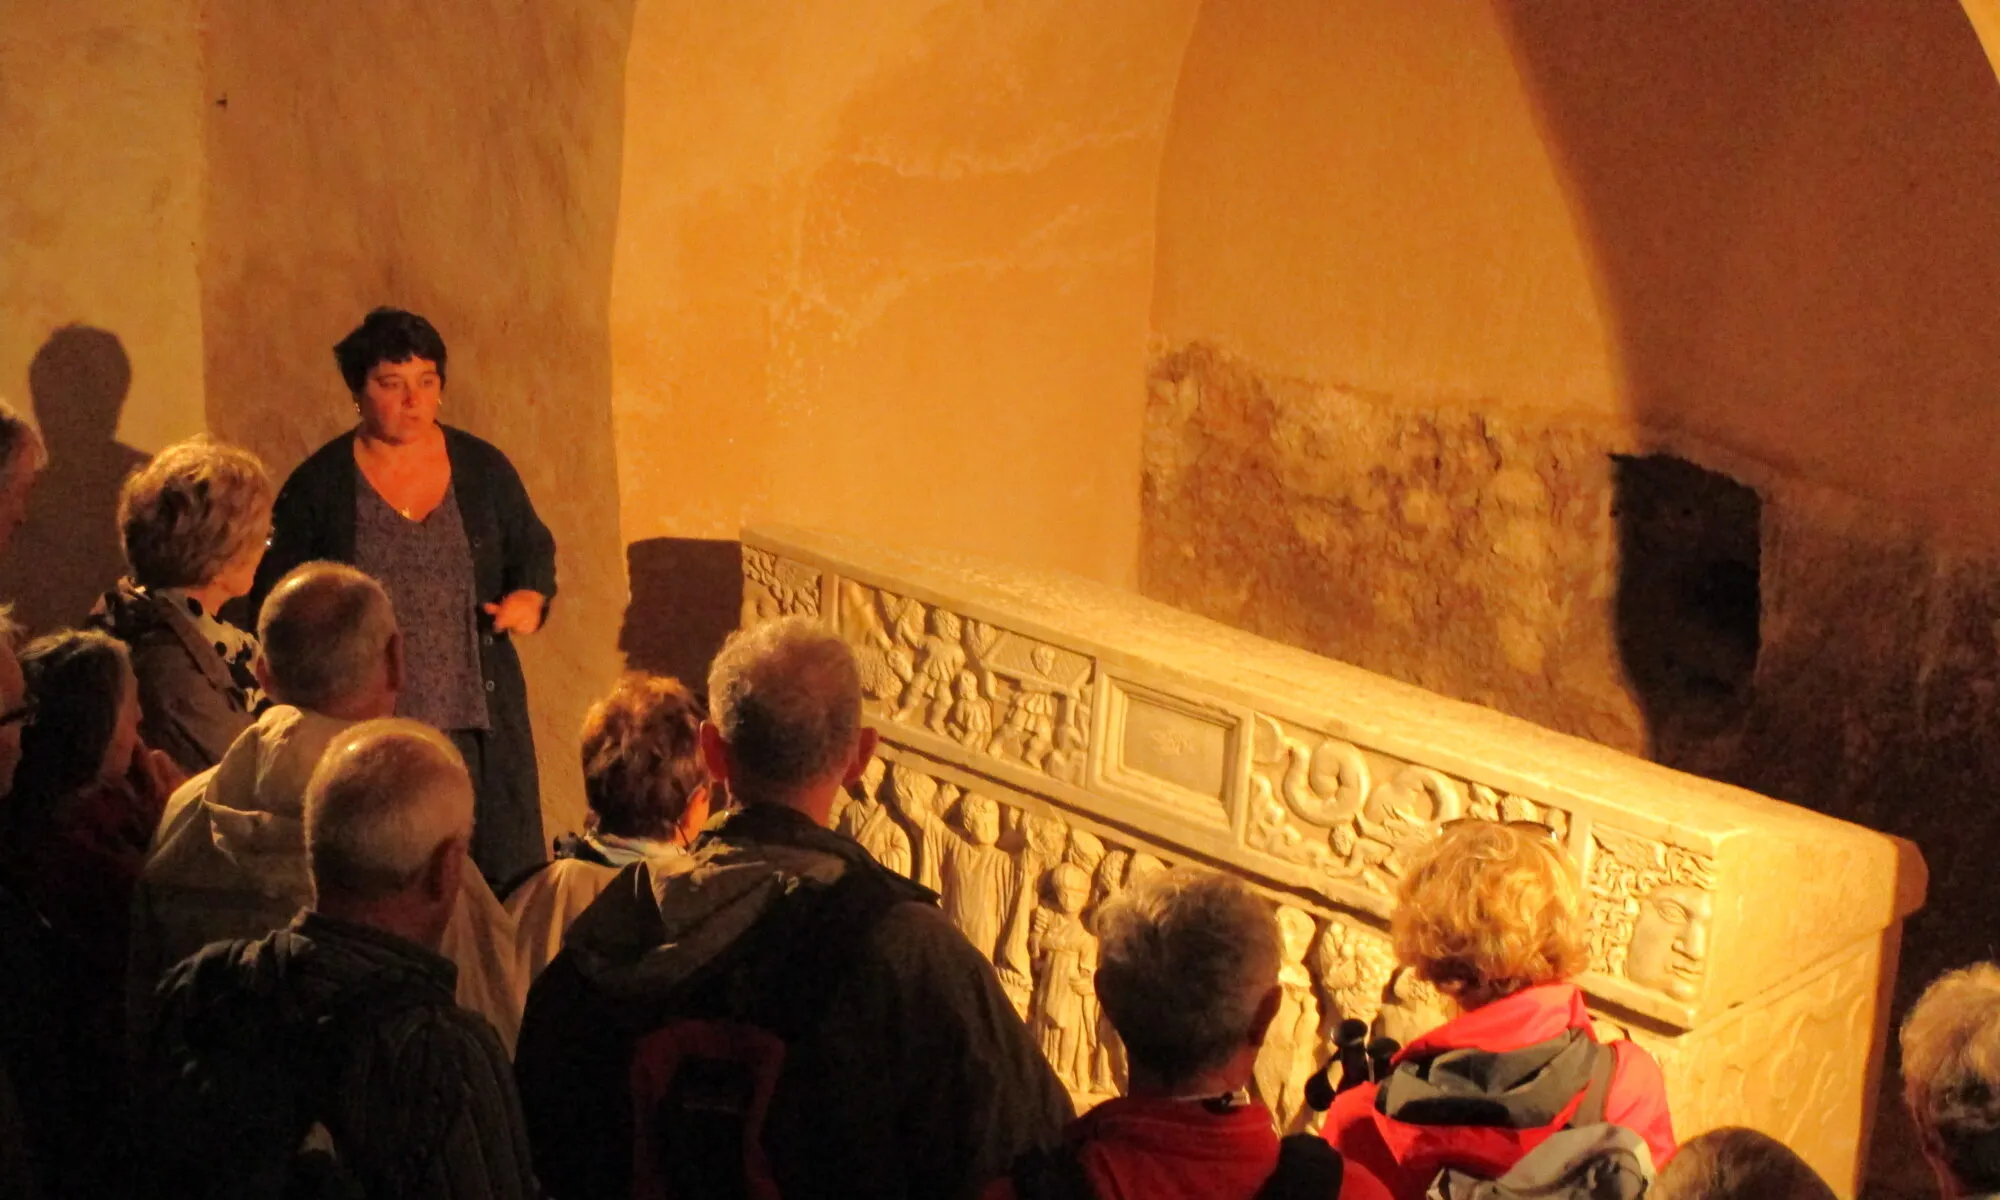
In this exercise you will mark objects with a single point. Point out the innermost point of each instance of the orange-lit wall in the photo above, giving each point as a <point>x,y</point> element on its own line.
<point>100,228</point>
<point>885,267</point>
<point>1761,232</point>
<point>374,153</point>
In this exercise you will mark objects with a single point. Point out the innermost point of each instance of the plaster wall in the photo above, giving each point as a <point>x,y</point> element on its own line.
<point>885,267</point>
<point>373,153</point>
<point>100,228</point>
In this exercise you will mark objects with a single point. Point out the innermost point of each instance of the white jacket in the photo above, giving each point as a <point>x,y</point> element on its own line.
<point>229,861</point>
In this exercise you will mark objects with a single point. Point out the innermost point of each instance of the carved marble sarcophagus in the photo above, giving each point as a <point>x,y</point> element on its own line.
<point>1047,740</point>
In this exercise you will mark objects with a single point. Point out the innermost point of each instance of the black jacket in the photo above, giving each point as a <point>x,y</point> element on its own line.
<point>910,1076</point>
<point>424,1105</point>
<point>511,550</point>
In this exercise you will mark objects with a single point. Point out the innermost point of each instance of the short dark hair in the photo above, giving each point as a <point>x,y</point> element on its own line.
<point>387,335</point>
<point>641,764</point>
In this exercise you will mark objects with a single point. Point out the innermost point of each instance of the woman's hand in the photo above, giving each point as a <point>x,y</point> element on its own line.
<point>517,612</point>
<point>157,774</point>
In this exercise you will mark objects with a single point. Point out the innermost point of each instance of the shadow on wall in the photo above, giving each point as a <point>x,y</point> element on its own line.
<point>1787,210</point>
<point>67,553</point>
<point>686,597</point>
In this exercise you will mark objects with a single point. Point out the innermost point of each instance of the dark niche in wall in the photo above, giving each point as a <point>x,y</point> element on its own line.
<point>1688,601</point>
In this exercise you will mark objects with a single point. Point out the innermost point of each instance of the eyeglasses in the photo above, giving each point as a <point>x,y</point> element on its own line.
<point>23,716</point>
<point>1534,827</point>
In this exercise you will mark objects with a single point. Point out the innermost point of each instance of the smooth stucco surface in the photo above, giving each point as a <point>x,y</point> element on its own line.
<point>886,267</point>
<point>370,153</point>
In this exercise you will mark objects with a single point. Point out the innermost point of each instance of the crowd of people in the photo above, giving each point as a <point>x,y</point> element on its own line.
<point>276,917</point>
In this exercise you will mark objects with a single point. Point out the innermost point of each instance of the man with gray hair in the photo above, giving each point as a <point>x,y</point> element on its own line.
<point>1188,975</point>
<point>334,1045</point>
<point>229,860</point>
<point>789,1012</point>
<point>1951,1079</point>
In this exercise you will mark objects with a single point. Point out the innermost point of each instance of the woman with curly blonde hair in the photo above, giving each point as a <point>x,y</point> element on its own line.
<point>194,522</point>
<point>1491,914</point>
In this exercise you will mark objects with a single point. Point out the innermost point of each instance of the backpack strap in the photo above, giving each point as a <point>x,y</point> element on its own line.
<point>1597,1092</point>
<point>1308,1169</point>
<point>1051,1173</point>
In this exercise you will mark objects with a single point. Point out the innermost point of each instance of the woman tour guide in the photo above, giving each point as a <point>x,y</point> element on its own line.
<point>442,520</point>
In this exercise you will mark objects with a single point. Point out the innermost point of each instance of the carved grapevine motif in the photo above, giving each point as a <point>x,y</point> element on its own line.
<point>776,587</point>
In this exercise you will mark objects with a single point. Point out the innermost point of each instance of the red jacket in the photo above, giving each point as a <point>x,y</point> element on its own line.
<point>1406,1157</point>
<point>1179,1150</point>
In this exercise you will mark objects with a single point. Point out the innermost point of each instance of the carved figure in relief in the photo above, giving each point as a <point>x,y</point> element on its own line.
<point>1108,1067</point>
<point>1412,1008</point>
<point>1043,839</point>
<point>775,587</point>
<point>975,876</point>
<point>917,796</point>
<point>1065,958</point>
<point>970,719</point>
<point>886,664</point>
<point>1291,1045</point>
<point>867,820</point>
<point>1670,940</point>
<point>1038,706</point>
<point>931,688</point>
<point>1355,966</point>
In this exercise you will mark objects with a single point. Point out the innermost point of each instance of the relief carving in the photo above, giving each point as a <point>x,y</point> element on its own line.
<point>867,820</point>
<point>1314,801</point>
<point>776,587</point>
<point>1651,905</point>
<point>1064,1015</point>
<point>992,691</point>
<point>1291,1045</point>
<point>1355,965</point>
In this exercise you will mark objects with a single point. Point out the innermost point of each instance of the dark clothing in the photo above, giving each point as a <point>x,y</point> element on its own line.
<point>423,1106</point>
<point>914,1078</point>
<point>426,567</point>
<point>195,702</point>
<point>73,862</point>
<point>40,1055</point>
<point>511,550</point>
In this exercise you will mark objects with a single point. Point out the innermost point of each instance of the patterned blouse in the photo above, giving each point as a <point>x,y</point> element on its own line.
<point>426,567</point>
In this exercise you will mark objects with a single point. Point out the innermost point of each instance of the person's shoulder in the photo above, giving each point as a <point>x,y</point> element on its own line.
<point>462,444</point>
<point>914,937</point>
<point>332,454</point>
<point>434,1047</point>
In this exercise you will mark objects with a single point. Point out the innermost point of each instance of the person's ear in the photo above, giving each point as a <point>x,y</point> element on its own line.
<point>1267,1012</point>
<point>694,816</point>
<point>260,669</point>
<point>444,875</point>
<point>392,661</point>
<point>864,750</point>
<point>714,752</point>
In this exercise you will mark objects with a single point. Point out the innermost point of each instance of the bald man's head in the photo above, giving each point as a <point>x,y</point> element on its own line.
<point>388,798</point>
<point>329,642</point>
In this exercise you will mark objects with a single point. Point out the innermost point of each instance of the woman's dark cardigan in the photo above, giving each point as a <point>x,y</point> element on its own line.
<point>511,550</point>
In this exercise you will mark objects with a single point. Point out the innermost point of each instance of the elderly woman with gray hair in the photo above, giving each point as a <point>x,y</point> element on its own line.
<point>194,522</point>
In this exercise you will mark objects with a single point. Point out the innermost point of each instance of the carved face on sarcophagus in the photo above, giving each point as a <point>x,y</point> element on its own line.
<point>1670,940</point>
